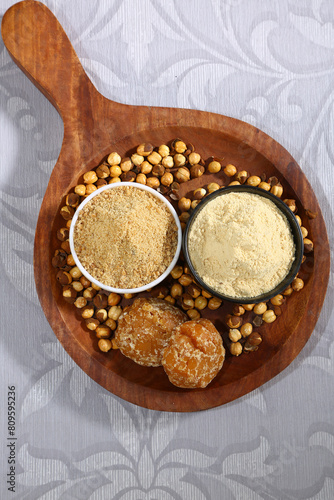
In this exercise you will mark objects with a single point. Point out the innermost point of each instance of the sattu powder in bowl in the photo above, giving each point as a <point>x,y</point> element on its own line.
<point>125,237</point>
<point>243,245</point>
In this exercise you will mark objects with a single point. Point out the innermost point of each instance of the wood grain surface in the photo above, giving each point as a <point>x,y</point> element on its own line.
<point>95,126</point>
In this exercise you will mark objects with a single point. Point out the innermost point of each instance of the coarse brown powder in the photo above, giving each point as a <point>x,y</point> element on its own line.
<point>125,237</point>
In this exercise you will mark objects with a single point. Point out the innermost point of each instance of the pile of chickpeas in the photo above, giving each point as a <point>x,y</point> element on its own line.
<point>165,168</point>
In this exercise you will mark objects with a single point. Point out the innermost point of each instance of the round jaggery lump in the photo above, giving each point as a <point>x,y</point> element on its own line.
<point>195,354</point>
<point>144,329</point>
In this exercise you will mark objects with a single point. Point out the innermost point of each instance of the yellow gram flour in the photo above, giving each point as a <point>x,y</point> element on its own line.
<point>241,245</point>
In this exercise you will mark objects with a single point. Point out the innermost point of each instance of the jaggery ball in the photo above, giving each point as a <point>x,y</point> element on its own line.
<point>144,329</point>
<point>194,355</point>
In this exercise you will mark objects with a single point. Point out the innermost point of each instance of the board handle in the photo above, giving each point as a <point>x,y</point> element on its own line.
<point>40,47</point>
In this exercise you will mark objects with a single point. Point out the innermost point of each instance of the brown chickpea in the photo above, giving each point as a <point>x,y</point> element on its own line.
<point>182,174</point>
<point>246,329</point>
<point>214,303</point>
<point>236,348</point>
<point>126,164</point>
<point>201,302</point>
<point>185,279</point>
<point>90,177</point>
<point>199,193</point>
<point>214,167</point>
<point>144,149</point>
<point>260,308</point>
<point>248,307</point>
<point>241,176</point>
<point>114,312</point>
<point>163,150</point>
<point>184,204</point>
<point>114,159</point>
<point>168,162</point>
<point>114,299</point>
<point>167,179</point>
<point>233,321</point>
<point>253,180</point>
<point>269,316</point>
<point>176,290</point>
<point>90,188</point>
<point>103,332</point>
<point>146,167</point>
<point>104,345</point>
<point>154,158</point>
<point>297,284</point>
<point>153,182</point>
<point>234,335</point>
<point>194,158</point>
<point>277,300</point>
<point>193,314</point>
<point>213,186</point>
<point>177,272</point>
<point>179,160</point>
<point>141,178</point>
<point>265,186</point>
<point>277,190</point>
<point>179,146</point>
<point>87,312</point>
<point>230,170</point>
<point>80,189</point>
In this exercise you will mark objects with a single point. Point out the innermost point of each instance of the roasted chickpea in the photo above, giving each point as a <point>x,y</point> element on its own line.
<point>184,204</point>
<point>167,179</point>
<point>230,170</point>
<point>214,303</point>
<point>246,329</point>
<point>260,308</point>
<point>146,167</point>
<point>176,290</point>
<point>168,162</point>
<point>297,284</point>
<point>253,180</point>
<point>213,186</point>
<point>177,272</point>
<point>104,345</point>
<point>214,167</point>
<point>179,160</point>
<point>90,177</point>
<point>154,158</point>
<point>194,158</point>
<point>201,302</point>
<point>236,348</point>
<point>114,159</point>
<point>144,149</point>
<point>234,335</point>
<point>269,316</point>
<point>141,179</point>
<point>277,300</point>
<point>163,150</point>
<point>265,186</point>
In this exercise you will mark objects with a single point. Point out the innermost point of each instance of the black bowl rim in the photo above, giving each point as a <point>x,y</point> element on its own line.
<point>294,226</point>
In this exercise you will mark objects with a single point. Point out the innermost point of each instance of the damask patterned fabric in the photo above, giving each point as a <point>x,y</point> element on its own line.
<point>268,63</point>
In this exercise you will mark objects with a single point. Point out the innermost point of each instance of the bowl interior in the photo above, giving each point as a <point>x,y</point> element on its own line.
<point>151,284</point>
<point>295,230</point>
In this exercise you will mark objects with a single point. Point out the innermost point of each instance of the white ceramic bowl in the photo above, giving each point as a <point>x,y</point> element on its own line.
<point>148,285</point>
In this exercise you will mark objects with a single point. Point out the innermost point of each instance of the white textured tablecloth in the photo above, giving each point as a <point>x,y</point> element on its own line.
<point>270,63</point>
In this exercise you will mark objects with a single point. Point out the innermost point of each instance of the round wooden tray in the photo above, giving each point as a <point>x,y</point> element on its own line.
<point>95,126</point>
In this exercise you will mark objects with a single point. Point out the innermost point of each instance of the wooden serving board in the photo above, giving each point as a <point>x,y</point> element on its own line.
<point>95,126</point>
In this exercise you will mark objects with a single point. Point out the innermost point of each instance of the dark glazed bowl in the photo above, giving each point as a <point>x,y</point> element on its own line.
<point>295,229</point>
